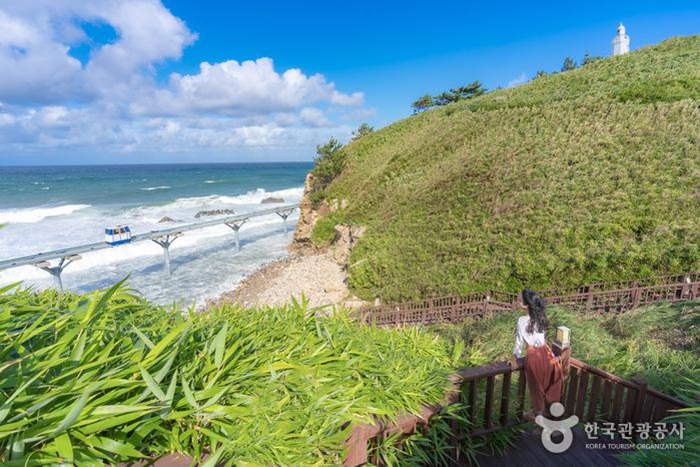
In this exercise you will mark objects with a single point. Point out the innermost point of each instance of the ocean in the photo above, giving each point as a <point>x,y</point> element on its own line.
<point>46,208</point>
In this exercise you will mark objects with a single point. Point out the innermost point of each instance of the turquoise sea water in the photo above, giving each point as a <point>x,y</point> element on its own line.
<point>44,208</point>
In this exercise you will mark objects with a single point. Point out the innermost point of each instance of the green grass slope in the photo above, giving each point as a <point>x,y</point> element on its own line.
<point>588,175</point>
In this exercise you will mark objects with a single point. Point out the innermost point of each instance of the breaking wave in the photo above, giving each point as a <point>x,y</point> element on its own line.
<point>32,215</point>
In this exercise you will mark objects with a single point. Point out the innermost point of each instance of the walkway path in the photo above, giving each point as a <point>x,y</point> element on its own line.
<point>529,452</point>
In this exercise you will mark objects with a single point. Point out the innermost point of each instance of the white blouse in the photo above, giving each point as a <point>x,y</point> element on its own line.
<point>534,339</point>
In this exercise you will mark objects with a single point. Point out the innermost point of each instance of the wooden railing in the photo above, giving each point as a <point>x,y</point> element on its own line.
<point>487,411</point>
<point>593,394</point>
<point>494,397</point>
<point>617,297</point>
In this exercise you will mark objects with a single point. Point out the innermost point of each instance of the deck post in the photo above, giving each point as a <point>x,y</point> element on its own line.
<point>165,241</point>
<point>236,226</point>
<point>56,271</point>
<point>640,399</point>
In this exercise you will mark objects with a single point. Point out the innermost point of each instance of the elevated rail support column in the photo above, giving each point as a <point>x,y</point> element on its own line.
<point>56,271</point>
<point>235,226</point>
<point>165,241</point>
<point>284,215</point>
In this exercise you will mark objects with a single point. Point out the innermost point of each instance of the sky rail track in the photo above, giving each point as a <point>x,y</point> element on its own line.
<point>163,237</point>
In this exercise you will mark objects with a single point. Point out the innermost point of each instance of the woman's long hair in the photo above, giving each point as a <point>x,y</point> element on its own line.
<point>535,307</point>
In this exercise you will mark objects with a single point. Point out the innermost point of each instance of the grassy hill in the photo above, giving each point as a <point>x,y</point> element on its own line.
<point>588,175</point>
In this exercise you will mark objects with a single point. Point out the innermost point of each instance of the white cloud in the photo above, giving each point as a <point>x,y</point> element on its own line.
<point>59,127</point>
<point>519,80</point>
<point>314,117</point>
<point>286,119</point>
<point>34,67</point>
<point>250,87</point>
<point>50,99</point>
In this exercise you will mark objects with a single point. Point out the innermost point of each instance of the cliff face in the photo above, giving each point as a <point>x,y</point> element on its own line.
<point>308,216</point>
<point>345,236</point>
<point>337,252</point>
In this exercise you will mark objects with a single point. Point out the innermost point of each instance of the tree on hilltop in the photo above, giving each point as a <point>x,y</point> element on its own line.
<point>329,162</point>
<point>588,58</point>
<point>422,103</point>
<point>469,91</point>
<point>362,130</point>
<point>569,64</point>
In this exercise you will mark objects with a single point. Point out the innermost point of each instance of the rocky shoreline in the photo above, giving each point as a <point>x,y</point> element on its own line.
<point>319,274</point>
<point>317,277</point>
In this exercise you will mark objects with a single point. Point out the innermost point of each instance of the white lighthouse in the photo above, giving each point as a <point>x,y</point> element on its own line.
<point>621,43</point>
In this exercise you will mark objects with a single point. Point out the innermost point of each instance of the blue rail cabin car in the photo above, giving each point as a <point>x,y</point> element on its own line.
<point>119,235</point>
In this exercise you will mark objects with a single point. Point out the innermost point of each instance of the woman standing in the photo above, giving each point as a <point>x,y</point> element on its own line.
<point>543,371</point>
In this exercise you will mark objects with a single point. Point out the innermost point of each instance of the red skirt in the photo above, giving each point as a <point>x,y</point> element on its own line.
<point>544,375</point>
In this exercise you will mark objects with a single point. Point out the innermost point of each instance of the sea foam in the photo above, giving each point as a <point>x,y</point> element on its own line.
<point>205,260</point>
<point>33,215</point>
<point>153,188</point>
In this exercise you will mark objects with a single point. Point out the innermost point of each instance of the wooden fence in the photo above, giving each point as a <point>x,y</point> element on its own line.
<point>617,297</point>
<point>494,398</point>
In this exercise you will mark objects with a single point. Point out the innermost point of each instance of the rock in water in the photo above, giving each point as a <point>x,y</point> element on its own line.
<point>272,200</point>
<point>214,212</point>
<point>166,219</point>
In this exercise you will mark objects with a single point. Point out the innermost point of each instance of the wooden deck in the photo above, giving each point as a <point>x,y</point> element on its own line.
<point>529,452</point>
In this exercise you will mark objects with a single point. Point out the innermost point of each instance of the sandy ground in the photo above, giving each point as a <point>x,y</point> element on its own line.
<point>320,279</point>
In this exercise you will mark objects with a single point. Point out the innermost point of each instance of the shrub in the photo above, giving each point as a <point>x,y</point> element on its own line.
<point>110,378</point>
<point>329,163</point>
<point>317,196</point>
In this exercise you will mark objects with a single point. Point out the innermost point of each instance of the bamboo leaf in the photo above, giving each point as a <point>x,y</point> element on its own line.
<point>79,348</point>
<point>171,389</point>
<point>155,352</point>
<point>220,345</point>
<point>75,411</point>
<point>17,449</point>
<point>99,305</point>
<point>64,447</point>
<point>143,337</point>
<point>152,385</point>
<point>117,447</point>
<point>5,408</point>
<point>213,459</point>
<point>188,393</point>
<point>7,288</point>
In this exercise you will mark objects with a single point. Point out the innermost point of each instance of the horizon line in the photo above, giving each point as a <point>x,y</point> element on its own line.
<point>151,164</point>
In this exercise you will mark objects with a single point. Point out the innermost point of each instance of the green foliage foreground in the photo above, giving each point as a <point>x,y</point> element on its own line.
<point>109,377</point>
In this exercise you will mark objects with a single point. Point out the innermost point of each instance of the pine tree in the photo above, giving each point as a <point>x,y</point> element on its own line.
<point>569,64</point>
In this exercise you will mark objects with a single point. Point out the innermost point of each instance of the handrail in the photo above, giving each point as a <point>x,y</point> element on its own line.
<point>602,373</point>
<point>360,436</point>
<point>594,297</point>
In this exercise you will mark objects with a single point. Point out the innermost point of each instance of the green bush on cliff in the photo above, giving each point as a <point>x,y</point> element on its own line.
<point>329,162</point>
<point>589,175</point>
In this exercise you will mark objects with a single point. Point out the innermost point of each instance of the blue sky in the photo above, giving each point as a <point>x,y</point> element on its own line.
<point>111,82</point>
